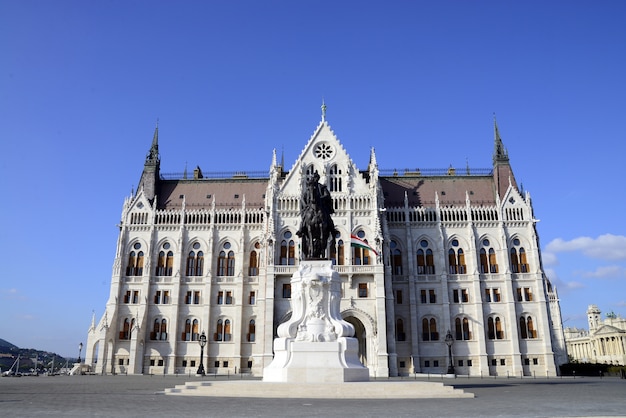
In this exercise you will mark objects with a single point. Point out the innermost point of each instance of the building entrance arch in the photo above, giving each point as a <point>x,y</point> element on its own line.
<point>360,333</point>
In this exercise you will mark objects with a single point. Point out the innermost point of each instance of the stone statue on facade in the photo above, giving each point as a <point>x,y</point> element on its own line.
<point>317,229</point>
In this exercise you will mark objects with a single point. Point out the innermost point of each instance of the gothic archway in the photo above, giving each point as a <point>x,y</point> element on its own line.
<point>360,333</point>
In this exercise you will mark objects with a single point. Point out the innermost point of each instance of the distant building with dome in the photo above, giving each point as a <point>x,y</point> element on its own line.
<point>421,253</point>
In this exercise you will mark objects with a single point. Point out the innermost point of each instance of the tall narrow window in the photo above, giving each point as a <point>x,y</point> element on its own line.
<point>252,298</point>
<point>488,262</point>
<point>220,297</point>
<point>499,331</point>
<point>286,290</point>
<point>251,331</point>
<point>221,264</point>
<point>139,268</point>
<point>230,270</point>
<point>519,262</point>
<point>130,267</point>
<point>219,332</point>
<point>196,297</point>
<point>429,329</point>
<point>283,253</point>
<point>253,268</point>
<point>528,294</point>
<point>337,252</point>
<point>335,178</point>
<point>169,263</point>
<point>362,290</point>
<point>186,335</point>
<point>523,331</point>
<point>396,258</point>
<point>432,296</point>
<point>160,268</point>
<point>400,335</point>
<point>423,295</point>
<point>360,255</point>
<point>493,265</point>
<point>456,259</point>
<point>195,333</point>
<point>191,264</point>
<point>462,329</point>
<point>491,329</point>
<point>125,332</point>
<point>425,259</point>
<point>229,298</point>
<point>227,332</point>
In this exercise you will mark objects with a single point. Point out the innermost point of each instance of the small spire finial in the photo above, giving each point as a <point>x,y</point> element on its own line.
<point>323,110</point>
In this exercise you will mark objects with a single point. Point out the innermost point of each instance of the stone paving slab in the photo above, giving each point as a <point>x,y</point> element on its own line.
<point>142,396</point>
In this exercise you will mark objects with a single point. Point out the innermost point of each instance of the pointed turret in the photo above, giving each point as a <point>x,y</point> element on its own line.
<point>500,153</point>
<point>150,176</point>
<point>502,171</point>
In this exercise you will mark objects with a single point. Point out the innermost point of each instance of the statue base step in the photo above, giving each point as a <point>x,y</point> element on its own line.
<point>315,362</point>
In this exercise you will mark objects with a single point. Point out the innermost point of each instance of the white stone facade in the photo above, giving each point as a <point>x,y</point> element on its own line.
<point>449,251</point>
<point>604,342</point>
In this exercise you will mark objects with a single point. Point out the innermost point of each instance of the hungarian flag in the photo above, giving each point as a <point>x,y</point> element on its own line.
<point>358,242</point>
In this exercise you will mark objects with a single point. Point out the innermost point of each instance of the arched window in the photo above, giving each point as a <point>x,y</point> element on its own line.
<point>253,268</point>
<point>130,267</point>
<point>191,330</point>
<point>488,262</point>
<point>360,255</point>
<point>191,264</point>
<point>194,330</point>
<point>429,329</point>
<point>337,252</point>
<point>494,328</point>
<point>462,329</point>
<point>230,270</point>
<point>222,332</point>
<point>195,261</point>
<point>135,261</point>
<point>159,331</point>
<point>199,263</point>
<point>527,327</point>
<point>425,259</point>
<point>287,250</point>
<point>251,331</point>
<point>456,259</point>
<point>396,258</point>
<point>221,264</point>
<point>400,334</point>
<point>334,179</point>
<point>165,261</point>
<point>519,262</point>
<point>126,329</point>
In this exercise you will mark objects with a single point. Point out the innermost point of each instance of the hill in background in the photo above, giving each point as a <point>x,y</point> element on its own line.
<point>29,357</point>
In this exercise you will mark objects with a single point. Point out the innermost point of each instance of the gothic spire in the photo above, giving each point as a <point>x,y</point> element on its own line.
<point>153,155</point>
<point>499,152</point>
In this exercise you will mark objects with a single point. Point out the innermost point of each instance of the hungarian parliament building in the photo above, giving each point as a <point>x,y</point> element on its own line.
<point>424,256</point>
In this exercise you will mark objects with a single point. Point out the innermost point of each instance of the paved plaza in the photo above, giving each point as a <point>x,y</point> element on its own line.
<point>142,396</point>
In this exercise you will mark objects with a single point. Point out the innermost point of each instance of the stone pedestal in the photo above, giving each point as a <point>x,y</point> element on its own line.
<point>315,345</point>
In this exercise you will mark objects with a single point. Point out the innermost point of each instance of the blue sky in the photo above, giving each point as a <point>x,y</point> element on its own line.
<point>82,85</point>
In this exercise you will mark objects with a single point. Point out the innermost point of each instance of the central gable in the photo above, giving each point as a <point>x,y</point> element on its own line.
<point>325,155</point>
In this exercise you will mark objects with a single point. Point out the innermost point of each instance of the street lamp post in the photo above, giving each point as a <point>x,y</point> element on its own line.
<point>202,342</point>
<point>80,348</point>
<point>449,341</point>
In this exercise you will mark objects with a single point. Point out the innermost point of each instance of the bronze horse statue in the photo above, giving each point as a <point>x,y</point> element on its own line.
<point>318,229</point>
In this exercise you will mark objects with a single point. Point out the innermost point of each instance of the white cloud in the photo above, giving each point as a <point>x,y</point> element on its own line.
<point>549,259</point>
<point>604,247</point>
<point>560,284</point>
<point>606,272</point>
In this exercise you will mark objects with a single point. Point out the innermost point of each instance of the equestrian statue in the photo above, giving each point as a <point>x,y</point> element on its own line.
<point>317,229</point>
